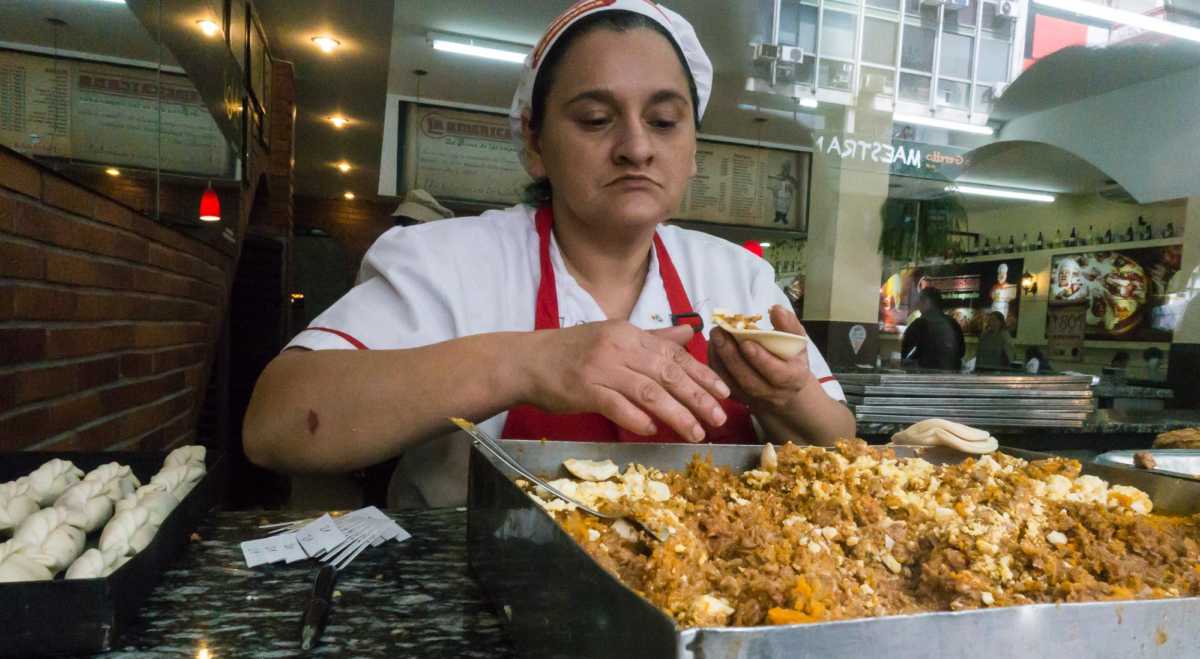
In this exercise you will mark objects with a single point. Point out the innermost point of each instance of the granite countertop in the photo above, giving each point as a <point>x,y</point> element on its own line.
<point>1109,390</point>
<point>409,599</point>
<point>1102,422</point>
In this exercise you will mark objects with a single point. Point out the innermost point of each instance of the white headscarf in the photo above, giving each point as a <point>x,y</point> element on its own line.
<point>699,66</point>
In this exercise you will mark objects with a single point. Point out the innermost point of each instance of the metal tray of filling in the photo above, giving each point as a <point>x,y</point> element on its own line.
<point>76,616</point>
<point>908,403</point>
<point>1183,462</point>
<point>558,602</point>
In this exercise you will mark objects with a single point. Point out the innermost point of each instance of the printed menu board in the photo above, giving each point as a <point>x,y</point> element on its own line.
<point>1125,292</point>
<point>109,115</point>
<point>470,156</point>
<point>748,185</point>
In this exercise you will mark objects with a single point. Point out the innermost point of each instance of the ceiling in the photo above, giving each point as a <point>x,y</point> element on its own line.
<point>383,41</point>
<point>103,29</point>
<point>351,82</point>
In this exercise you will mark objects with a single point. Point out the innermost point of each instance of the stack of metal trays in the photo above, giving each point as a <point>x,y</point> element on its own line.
<point>990,401</point>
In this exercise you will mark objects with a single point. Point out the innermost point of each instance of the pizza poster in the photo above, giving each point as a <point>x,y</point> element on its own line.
<point>1125,291</point>
<point>970,293</point>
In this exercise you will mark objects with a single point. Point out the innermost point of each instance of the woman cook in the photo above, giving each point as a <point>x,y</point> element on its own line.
<point>564,318</point>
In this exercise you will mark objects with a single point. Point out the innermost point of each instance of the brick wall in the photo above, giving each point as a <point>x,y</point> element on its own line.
<point>107,318</point>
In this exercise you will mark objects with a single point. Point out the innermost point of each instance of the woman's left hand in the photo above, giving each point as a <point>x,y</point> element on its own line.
<point>757,377</point>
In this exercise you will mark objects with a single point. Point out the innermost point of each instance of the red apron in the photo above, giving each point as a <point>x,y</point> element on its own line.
<point>530,422</point>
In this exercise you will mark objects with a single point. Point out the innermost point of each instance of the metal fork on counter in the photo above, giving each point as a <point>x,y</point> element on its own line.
<point>489,444</point>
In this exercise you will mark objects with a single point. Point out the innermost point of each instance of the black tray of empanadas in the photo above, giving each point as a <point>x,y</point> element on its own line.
<point>73,616</point>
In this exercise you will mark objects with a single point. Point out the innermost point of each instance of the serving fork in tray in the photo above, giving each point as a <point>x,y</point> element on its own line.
<point>489,444</point>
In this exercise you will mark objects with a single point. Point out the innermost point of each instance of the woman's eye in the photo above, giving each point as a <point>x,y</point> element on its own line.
<point>663,124</point>
<point>593,122</point>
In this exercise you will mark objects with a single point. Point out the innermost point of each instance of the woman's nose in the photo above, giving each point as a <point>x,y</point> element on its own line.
<point>634,145</point>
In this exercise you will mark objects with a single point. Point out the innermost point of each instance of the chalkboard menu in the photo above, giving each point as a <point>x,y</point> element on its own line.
<point>109,115</point>
<point>470,156</point>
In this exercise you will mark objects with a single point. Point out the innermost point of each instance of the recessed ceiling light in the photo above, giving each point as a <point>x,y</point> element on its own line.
<point>338,121</point>
<point>764,244</point>
<point>809,102</point>
<point>209,28</point>
<point>349,196</point>
<point>112,171</point>
<point>343,167</point>
<point>326,44</point>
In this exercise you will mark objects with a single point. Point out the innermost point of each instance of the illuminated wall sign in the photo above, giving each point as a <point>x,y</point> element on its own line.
<point>902,157</point>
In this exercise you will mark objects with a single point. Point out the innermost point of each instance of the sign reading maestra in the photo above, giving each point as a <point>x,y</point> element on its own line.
<point>901,157</point>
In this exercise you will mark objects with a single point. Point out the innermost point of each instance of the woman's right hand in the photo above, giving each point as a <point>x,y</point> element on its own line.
<point>630,375</point>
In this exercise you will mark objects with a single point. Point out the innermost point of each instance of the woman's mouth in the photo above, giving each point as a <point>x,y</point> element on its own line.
<point>634,181</point>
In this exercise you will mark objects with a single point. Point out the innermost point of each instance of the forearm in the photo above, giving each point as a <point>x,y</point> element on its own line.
<point>813,418</point>
<point>338,410</point>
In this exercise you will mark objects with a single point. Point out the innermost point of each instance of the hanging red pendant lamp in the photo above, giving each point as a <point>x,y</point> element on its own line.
<point>210,205</point>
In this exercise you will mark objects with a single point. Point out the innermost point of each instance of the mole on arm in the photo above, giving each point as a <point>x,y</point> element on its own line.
<point>314,422</point>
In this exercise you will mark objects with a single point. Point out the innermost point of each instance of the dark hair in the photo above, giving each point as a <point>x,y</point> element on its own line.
<point>539,192</point>
<point>1121,358</point>
<point>1152,353</point>
<point>933,296</point>
<point>1000,317</point>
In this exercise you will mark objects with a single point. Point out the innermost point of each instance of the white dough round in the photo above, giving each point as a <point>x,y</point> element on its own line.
<point>179,479</point>
<point>91,503</point>
<point>48,537</point>
<point>119,480</point>
<point>192,453</point>
<point>118,533</point>
<point>19,567</point>
<point>50,480</point>
<point>89,565</point>
<point>15,505</point>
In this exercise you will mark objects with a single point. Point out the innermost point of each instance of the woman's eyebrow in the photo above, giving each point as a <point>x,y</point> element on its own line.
<point>607,97</point>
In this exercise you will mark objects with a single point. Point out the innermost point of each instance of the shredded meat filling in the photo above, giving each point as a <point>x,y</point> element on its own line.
<point>857,532</point>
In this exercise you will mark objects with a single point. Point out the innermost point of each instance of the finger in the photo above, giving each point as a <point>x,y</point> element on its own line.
<point>678,334</point>
<point>784,320</point>
<point>735,364</point>
<point>776,371</point>
<point>681,375</point>
<point>697,372</point>
<point>718,367</point>
<point>624,413</point>
<point>656,401</point>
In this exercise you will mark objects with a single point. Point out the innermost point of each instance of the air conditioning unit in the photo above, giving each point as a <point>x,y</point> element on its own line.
<point>1009,9</point>
<point>791,54</point>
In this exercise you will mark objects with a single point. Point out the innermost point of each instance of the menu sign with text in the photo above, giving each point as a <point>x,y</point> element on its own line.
<point>470,156</point>
<point>109,115</point>
<point>747,185</point>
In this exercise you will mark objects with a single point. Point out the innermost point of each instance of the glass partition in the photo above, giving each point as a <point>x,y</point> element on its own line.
<point>88,89</point>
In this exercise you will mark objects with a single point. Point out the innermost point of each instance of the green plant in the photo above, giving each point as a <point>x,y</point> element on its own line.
<point>914,230</point>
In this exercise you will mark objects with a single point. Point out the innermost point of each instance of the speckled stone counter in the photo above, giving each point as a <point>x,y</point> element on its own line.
<point>409,599</point>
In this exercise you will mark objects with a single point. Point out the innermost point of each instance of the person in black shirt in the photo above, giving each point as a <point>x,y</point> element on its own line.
<point>934,340</point>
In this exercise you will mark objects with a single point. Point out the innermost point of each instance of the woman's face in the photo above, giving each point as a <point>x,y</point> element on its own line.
<point>617,140</point>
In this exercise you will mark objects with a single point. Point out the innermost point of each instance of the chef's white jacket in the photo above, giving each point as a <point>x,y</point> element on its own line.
<point>443,280</point>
